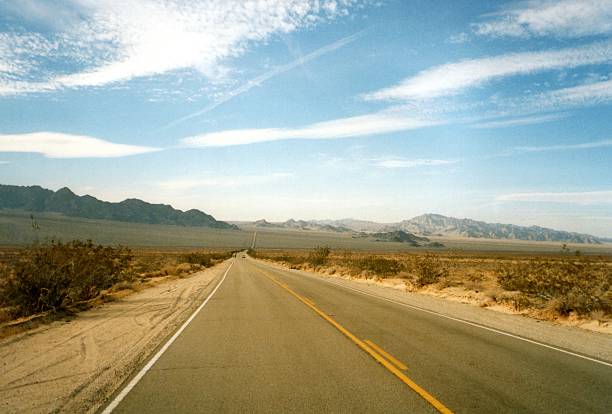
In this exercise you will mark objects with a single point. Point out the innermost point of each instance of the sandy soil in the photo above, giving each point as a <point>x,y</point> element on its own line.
<point>75,366</point>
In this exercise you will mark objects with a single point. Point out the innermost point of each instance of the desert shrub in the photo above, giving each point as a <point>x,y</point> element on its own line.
<point>294,260</point>
<point>201,259</point>
<point>428,270</point>
<point>318,256</point>
<point>205,259</point>
<point>572,285</point>
<point>184,268</point>
<point>56,275</point>
<point>379,266</point>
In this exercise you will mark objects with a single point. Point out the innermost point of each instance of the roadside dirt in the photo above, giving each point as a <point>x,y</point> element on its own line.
<point>76,365</point>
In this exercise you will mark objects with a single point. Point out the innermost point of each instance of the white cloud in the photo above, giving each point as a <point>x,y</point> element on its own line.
<point>116,40</point>
<point>459,38</point>
<point>257,81</point>
<point>452,78</point>
<point>529,120</point>
<point>586,197</point>
<point>392,120</point>
<point>58,145</point>
<point>409,163</point>
<point>566,147</point>
<point>559,18</point>
<point>587,94</point>
<point>190,183</point>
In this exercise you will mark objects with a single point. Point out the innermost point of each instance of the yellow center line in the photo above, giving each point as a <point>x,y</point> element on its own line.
<point>310,302</point>
<point>369,350</point>
<point>387,355</point>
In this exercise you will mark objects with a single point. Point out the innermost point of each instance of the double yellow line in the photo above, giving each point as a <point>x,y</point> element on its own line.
<point>370,348</point>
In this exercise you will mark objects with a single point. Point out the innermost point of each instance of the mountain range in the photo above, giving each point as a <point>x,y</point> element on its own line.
<point>301,225</point>
<point>38,199</point>
<point>439,225</point>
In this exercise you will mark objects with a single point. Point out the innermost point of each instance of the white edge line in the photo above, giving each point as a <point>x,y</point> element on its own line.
<point>109,409</point>
<point>531,341</point>
<point>476,325</point>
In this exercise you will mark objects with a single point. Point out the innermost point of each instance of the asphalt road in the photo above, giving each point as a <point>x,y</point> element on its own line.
<point>269,340</point>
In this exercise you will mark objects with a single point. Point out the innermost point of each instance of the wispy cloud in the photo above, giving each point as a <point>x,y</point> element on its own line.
<point>585,197</point>
<point>58,145</point>
<point>528,120</point>
<point>257,81</point>
<point>392,163</point>
<point>452,78</point>
<point>566,147</point>
<point>190,183</point>
<point>115,41</point>
<point>559,18</point>
<point>587,94</point>
<point>459,38</point>
<point>391,120</point>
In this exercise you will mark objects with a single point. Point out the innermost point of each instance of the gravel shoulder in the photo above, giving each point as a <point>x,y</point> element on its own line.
<point>592,344</point>
<point>76,365</point>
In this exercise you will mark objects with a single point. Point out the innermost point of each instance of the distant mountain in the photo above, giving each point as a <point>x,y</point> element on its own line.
<point>266,224</point>
<point>355,225</point>
<point>437,224</point>
<point>301,225</point>
<point>38,199</point>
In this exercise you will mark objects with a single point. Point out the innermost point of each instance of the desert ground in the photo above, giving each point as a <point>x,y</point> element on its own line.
<point>77,358</point>
<point>75,363</point>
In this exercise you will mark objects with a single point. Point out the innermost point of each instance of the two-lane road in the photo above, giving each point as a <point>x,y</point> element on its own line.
<point>269,340</point>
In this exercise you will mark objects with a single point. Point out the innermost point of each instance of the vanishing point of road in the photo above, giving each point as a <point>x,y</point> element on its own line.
<point>272,341</point>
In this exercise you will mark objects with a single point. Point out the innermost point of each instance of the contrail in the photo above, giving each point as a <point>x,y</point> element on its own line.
<point>270,74</point>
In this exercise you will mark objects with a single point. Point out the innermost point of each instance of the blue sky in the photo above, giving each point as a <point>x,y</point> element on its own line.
<point>379,110</point>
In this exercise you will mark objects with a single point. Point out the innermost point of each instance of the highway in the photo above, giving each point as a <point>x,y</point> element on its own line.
<point>270,340</point>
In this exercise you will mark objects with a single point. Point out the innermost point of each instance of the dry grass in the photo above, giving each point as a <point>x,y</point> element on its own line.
<point>60,279</point>
<point>544,285</point>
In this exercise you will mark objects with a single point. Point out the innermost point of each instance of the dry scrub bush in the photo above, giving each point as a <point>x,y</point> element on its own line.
<point>205,259</point>
<point>378,266</point>
<point>568,285</point>
<point>57,275</point>
<point>428,270</point>
<point>318,256</point>
<point>184,268</point>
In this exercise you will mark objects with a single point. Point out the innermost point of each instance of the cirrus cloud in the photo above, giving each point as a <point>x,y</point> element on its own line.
<point>559,18</point>
<point>396,162</point>
<point>452,78</point>
<point>113,41</point>
<point>391,120</point>
<point>583,197</point>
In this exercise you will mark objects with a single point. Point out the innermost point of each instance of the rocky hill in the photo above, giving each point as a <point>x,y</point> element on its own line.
<point>301,225</point>
<point>398,236</point>
<point>38,199</point>
<point>355,225</point>
<point>437,224</point>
